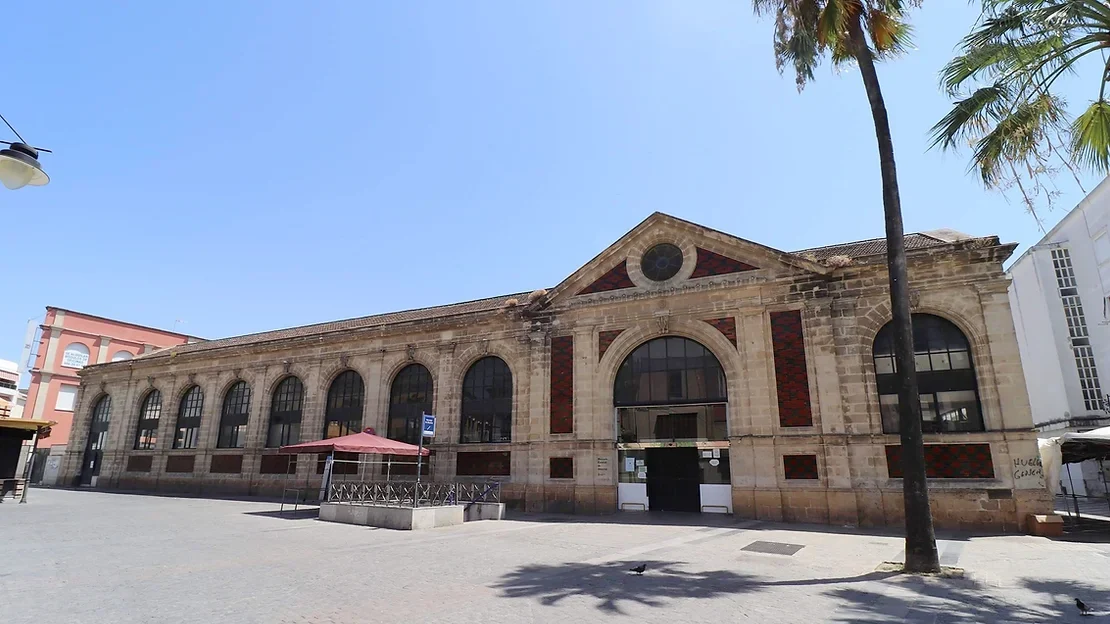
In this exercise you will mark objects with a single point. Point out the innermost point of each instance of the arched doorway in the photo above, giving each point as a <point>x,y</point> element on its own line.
<point>670,399</point>
<point>98,438</point>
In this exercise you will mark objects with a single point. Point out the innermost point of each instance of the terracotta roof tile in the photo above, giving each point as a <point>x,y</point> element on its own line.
<point>871,247</point>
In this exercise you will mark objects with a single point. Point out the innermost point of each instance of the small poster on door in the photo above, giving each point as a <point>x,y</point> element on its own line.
<point>642,473</point>
<point>716,453</point>
<point>706,454</point>
<point>630,464</point>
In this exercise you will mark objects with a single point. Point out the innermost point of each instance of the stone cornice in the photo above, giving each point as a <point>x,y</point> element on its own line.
<point>703,284</point>
<point>206,362</point>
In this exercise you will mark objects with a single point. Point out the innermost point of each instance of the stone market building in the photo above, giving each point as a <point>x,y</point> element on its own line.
<point>682,369</point>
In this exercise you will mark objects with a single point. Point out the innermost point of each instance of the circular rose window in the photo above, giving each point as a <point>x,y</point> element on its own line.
<point>661,262</point>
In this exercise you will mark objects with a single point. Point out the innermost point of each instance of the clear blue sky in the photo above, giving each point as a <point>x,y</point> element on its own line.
<point>245,166</point>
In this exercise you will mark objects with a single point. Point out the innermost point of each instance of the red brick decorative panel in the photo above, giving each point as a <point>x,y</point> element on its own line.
<point>726,326</point>
<point>791,375</point>
<point>947,461</point>
<point>562,384</point>
<point>180,463</point>
<point>139,463</point>
<point>278,464</point>
<point>710,263</point>
<point>227,464</point>
<point>604,339</point>
<point>562,467</point>
<point>800,466</point>
<point>616,279</point>
<point>483,464</point>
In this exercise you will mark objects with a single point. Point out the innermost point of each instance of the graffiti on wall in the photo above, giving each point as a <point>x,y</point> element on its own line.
<point>1028,472</point>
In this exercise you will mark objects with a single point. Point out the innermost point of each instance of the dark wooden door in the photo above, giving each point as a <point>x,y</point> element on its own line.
<point>673,479</point>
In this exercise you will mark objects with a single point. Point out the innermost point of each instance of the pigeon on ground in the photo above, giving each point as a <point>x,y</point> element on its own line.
<point>639,570</point>
<point>1083,608</point>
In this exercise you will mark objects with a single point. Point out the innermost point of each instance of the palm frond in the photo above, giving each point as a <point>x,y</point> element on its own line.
<point>1017,137</point>
<point>889,36</point>
<point>969,115</point>
<point>1091,136</point>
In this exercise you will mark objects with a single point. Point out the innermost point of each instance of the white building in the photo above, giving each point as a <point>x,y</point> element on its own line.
<point>11,399</point>
<point>1060,297</point>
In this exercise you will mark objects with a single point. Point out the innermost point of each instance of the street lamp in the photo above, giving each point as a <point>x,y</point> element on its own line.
<point>19,163</point>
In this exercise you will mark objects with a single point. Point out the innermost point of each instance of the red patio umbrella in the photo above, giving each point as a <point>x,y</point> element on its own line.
<point>363,442</point>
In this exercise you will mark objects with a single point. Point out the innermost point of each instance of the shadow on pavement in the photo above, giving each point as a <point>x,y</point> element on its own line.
<point>1085,529</point>
<point>216,496</point>
<point>288,514</point>
<point>871,597</point>
<point>612,583</point>
<point>909,598</point>
<point>661,518</point>
<point>668,518</point>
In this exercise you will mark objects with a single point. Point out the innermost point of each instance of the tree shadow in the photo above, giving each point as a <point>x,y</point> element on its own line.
<point>909,598</point>
<point>611,583</point>
<point>871,597</point>
<point>1064,593</point>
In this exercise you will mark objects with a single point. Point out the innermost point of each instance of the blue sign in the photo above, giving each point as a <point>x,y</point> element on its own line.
<point>429,426</point>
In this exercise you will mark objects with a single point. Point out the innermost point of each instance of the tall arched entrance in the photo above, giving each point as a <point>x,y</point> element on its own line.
<point>671,407</point>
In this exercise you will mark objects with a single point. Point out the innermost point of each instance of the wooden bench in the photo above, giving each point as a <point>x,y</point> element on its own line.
<point>12,486</point>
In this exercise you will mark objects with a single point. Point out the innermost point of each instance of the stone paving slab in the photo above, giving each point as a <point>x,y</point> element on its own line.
<point>80,556</point>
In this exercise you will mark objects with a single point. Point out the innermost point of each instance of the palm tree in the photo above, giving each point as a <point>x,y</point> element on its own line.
<point>863,31</point>
<point>1002,86</point>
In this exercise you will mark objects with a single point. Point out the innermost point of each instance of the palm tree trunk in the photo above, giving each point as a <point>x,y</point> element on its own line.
<point>921,543</point>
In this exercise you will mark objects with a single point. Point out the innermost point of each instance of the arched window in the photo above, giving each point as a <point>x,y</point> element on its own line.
<point>285,413</point>
<point>410,396</point>
<point>121,356</point>
<point>75,355</point>
<point>343,414</point>
<point>188,419</point>
<point>487,402</point>
<point>98,438</point>
<point>146,436</point>
<point>671,388</point>
<point>945,376</point>
<point>233,418</point>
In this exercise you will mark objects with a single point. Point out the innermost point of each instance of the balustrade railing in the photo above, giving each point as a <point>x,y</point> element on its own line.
<point>410,494</point>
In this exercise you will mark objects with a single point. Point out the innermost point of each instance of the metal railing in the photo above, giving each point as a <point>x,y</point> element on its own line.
<point>409,494</point>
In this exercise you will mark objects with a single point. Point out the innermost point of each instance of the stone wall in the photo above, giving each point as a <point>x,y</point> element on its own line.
<point>841,310</point>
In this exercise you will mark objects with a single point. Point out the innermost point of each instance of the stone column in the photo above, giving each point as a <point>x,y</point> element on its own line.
<point>1007,396</point>
<point>167,422</point>
<point>208,433</point>
<point>258,422</point>
<point>373,415</point>
<point>312,414</point>
<point>858,408</point>
<point>821,352</point>
<point>821,356</point>
<point>751,459</point>
<point>758,405</point>
<point>123,419</point>
<point>102,347</point>
<point>534,423</point>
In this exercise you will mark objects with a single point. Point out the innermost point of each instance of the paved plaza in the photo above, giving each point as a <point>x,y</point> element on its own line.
<point>70,556</point>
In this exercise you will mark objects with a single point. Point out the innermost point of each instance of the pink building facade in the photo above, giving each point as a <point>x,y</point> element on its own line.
<point>69,341</point>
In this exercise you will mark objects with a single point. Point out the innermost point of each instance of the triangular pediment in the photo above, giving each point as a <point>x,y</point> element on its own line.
<point>664,252</point>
